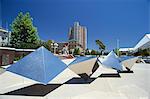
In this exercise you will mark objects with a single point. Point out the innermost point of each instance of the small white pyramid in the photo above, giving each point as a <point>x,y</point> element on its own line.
<point>102,70</point>
<point>112,61</point>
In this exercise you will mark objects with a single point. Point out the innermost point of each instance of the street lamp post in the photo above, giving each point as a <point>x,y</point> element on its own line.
<point>118,47</point>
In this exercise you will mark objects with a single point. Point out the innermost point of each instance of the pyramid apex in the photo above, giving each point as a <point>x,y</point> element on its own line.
<point>42,47</point>
<point>112,60</point>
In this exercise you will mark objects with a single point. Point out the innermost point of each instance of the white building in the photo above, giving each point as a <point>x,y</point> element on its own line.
<point>4,37</point>
<point>126,49</point>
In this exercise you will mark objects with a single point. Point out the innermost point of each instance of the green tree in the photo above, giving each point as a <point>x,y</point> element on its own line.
<point>93,52</point>
<point>142,52</point>
<point>87,52</point>
<point>117,52</point>
<point>97,53</point>
<point>76,51</point>
<point>49,42</point>
<point>23,31</point>
<point>101,46</point>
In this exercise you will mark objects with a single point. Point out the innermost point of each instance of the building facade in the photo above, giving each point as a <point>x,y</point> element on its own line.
<point>78,36</point>
<point>63,48</point>
<point>4,37</point>
<point>74,44</point>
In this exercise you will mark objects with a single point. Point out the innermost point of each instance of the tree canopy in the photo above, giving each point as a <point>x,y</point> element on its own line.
<point>87,52</point>
<point>23,31</point>
<point>101,45</point>
<point>76,51</point>
<point>142,52</point>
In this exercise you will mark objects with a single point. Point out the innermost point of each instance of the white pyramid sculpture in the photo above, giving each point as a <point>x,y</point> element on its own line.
<point>102,70</point>
<point>112,61</point>
<point>83,65</point>
<point>41,66</point>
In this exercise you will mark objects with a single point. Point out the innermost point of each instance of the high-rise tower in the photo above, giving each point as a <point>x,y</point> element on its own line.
<point>78,36</point>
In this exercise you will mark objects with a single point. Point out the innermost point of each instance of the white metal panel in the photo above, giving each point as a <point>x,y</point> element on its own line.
<point>143,41</point>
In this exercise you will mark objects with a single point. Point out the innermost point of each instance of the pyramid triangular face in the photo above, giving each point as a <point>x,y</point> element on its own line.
<point>80,59</point>
<point>40,65</point>
<point>84,65</point>
<point>64,76</point>
<point>102,70</point>
<point>128,62</point>
<point>112,61</point>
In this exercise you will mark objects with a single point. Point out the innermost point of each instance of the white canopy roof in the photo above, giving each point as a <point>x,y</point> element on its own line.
<point>144,42</point>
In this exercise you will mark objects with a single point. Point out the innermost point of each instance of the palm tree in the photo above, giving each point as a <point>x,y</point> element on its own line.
<point>101,46</point>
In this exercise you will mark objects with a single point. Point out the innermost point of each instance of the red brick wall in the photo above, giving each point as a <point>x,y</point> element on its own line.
<point>21,53</point>
<point>10,53</point>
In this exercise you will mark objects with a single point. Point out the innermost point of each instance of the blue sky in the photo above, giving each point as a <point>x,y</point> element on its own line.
<point>107,20</point>
<point>0,13</point>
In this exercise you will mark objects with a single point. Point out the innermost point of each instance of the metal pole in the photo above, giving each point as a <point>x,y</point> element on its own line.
<point>118,47</point>
<point>54,50</point>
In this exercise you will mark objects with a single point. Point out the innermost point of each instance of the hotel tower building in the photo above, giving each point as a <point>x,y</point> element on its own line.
<point>78,36</point>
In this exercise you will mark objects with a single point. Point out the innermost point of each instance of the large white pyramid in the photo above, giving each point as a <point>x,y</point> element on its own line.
<point>40,65</point>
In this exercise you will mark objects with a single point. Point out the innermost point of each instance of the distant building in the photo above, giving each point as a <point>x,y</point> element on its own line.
<point>4,37</point>
<point>63,48</point>
<point>74,44</point>
<point>125,51</point>
<point>77,36</point>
